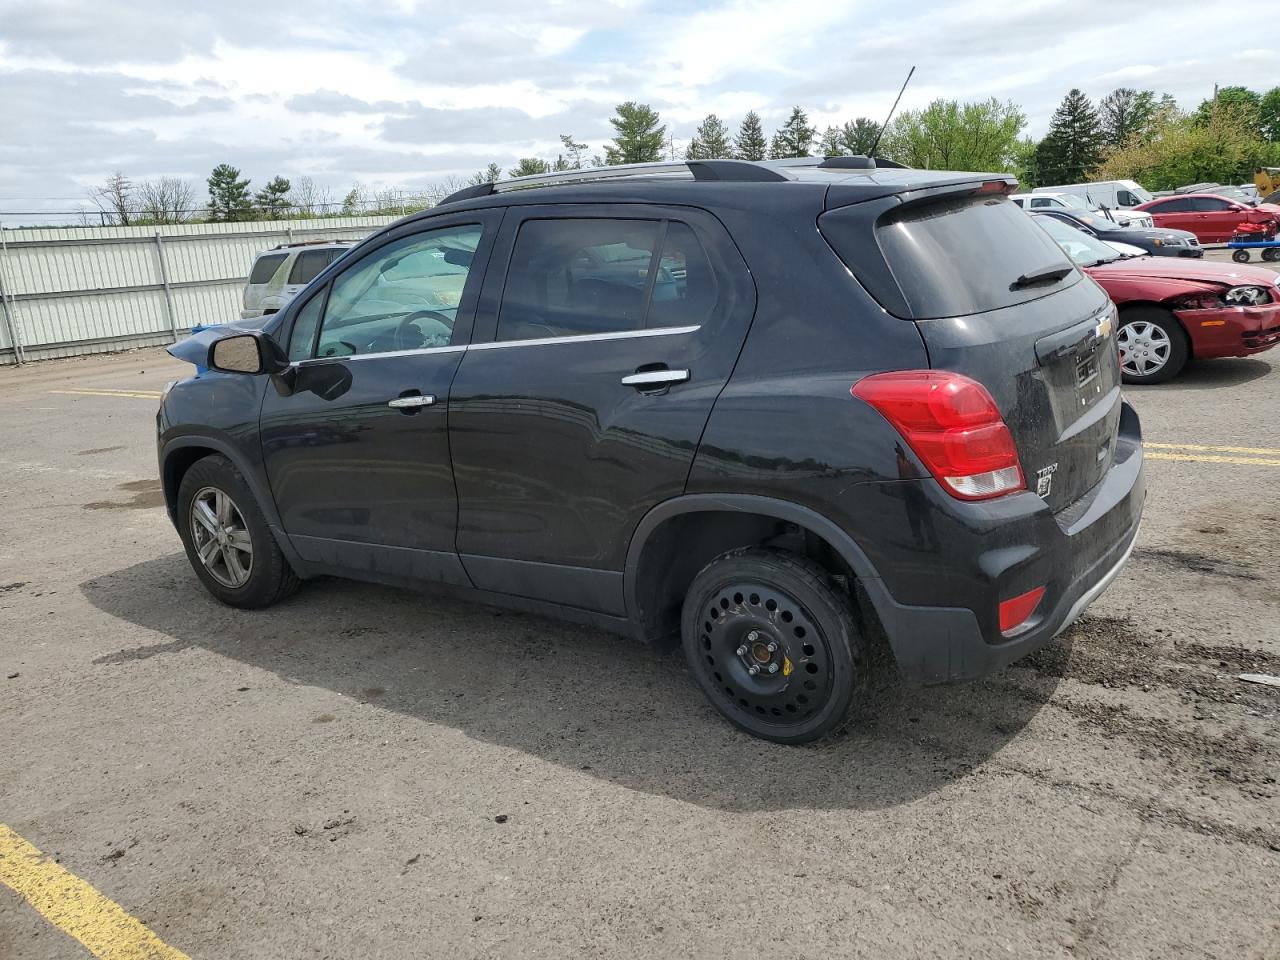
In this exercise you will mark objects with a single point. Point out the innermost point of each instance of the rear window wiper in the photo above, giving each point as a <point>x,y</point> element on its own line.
<point>1049,275</point>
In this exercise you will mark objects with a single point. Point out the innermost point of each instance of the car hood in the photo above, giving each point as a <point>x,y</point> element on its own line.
<point>1196,271</point>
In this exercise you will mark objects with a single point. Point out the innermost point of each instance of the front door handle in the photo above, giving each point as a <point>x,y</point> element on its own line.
<point>412,403</point>
<point>655,378</point>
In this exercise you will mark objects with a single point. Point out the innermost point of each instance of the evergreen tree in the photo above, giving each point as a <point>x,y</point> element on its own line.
<point>272,200</point>
<point>571,159</point>
<point>831,144</point>
<point>1126,113</point>
<point>228,195</point>
<point>749,144</point>
<point>638,137</point>
<point>794,138</point>
<point>490,174</point>
<point>857,136</point>
<point>529,167</point>
<point>710,142</point>
<point>1072,147</point>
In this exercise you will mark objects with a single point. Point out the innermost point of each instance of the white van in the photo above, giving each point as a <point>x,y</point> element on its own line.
<point>279,274</point>
<point>1112,194</point>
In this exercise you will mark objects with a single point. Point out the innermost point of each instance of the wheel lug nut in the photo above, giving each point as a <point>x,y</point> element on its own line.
<point>753,636</point>
<point>753,669</point>
<point>773,668</point>
<point>773,646</point>
<point>742,650</point>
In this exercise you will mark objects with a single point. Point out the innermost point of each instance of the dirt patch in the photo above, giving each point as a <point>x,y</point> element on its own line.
<point>1198,563</point>
<point>147,495</point>
<point>1229,657</point>
<point>1104,651</point>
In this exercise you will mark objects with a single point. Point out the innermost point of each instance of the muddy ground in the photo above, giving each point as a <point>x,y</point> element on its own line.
<point>363,772</point>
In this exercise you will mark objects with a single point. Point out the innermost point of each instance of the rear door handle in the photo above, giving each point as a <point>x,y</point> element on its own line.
<point>410,403</point>
<point>655,378</point>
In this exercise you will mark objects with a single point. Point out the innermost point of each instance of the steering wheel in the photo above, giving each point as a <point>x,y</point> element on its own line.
<point>407,324</point>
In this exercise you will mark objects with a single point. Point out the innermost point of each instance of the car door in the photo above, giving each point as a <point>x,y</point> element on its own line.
<point>1173,214</point>
<point>611,329</point>
<point>357,452</point>
<point>1217,218</point>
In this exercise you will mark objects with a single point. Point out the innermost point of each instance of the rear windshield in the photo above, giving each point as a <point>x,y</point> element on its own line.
<point>968,255</point>
<point>265,268</point>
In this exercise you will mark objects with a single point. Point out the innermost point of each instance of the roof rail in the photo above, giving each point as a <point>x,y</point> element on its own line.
<point>739,171</point>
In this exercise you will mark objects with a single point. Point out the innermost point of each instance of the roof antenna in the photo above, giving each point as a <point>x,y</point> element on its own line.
<point>872,151</point>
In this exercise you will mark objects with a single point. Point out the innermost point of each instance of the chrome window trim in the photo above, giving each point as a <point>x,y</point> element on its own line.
<point>499,344</point>
<point>377,356</point>
<point>588,337</point>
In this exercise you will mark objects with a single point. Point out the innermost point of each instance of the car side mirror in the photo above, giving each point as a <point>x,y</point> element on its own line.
<point>251,353</point>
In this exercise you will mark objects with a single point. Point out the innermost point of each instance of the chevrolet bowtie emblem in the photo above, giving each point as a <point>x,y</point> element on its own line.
<point>1103,329</point>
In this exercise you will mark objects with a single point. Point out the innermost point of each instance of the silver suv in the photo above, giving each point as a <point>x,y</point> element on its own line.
<point>279,274</point>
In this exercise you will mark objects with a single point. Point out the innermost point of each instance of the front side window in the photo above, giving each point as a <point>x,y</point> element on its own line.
<point>1126,199</point>
<point>303,336</point>
<point>1211,205</point>
<point>403,296</point>
<point>595,276</point>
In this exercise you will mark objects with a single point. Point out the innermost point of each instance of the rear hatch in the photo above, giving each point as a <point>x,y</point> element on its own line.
<point>997,300</point>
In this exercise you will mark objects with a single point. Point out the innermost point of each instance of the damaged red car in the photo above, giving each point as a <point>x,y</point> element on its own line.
<point>1172,310</point>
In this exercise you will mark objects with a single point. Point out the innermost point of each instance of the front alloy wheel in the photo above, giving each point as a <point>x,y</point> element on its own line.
<point>221,537</point>
<point>1153,346</point>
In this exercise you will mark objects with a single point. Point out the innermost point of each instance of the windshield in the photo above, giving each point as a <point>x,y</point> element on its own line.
<point>1072,201</point>
<point>1085,250</point>
<point>1098,223</point>
<point>1139,191</point>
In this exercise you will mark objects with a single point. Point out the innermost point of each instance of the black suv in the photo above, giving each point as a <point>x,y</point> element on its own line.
<point>774,410</point>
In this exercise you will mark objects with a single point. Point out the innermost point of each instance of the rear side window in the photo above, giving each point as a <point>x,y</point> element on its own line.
<point>578,277</point>
<point>957,256</point>
<point>1171,206</point>
<point>309,264</point>
<point>265,267</point>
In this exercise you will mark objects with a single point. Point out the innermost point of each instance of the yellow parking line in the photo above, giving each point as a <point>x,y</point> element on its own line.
<point>1207,449</point>
<point>136,394</point>
<point>1206,458</point>
<point>76,908</point>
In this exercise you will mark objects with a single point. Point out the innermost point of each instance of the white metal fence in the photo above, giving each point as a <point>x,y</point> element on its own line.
<point>66,291</point>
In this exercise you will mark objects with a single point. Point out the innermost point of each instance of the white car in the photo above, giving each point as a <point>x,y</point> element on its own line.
<point>279,274</point>
<point>1045,200</point>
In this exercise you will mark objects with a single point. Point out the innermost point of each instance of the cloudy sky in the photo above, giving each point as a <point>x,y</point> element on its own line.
<point>404,93</point>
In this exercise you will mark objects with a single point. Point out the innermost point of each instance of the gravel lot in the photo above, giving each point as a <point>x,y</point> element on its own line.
<point>326,778</point>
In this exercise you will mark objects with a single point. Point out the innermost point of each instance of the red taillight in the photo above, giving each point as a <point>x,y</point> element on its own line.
<point>1015,611</point>
<point>953,426</point>
<point>995,186</point>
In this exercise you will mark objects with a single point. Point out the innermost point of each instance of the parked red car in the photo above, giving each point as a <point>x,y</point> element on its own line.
<point>1173,309</point>
<point>1211,218</point>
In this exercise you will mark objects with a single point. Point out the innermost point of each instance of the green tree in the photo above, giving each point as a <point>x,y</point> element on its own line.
<point>1023,165</point>
<point>1225,148</point>
<point>949,135</point>
<point>1125,113</point>
<point>710,142</point>
<point>639,136</point>
<point>831,144</point>
<point>490,174</point>
<point>857,136</point>
<point>794,138</point>
<point>750,144</point>
<point>272,200</point>
<point>571,158</point>
<point>356,200</point>
<point>1242,101</point>
<point>228,195</point>
<point>529,167</point>
<point>1269,115</point>
<point>1073,145</point>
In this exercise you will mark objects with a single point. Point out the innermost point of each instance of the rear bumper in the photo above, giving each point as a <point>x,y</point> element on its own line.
<point>1232,331</point>
<point>1076,563</point>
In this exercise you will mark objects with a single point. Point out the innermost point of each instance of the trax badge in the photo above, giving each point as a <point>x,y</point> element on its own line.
<point>1044,480</point>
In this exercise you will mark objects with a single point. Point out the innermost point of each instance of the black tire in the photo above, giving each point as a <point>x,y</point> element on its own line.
<point>822,657</point>
<point>1242,256</point>
<point>268,576</point>
<point>1271,254</point>
<point>1132,323</point>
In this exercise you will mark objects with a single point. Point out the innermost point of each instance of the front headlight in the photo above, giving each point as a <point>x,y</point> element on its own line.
<point>1247,296</point>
